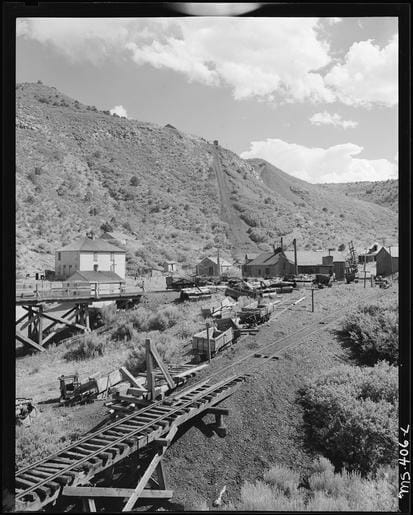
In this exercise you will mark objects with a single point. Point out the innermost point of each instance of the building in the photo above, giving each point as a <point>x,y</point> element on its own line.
<point>387,260</point>
<point>105,282</point>
<point>268,264</point>
<point>371,255</point>
<point>170,266</point>
<point>86,255</point>
<point>213,266</point>
<point>314,262</point>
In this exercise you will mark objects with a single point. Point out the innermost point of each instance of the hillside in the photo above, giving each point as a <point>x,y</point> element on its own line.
<point>175,195</point>
<point>383,193</point>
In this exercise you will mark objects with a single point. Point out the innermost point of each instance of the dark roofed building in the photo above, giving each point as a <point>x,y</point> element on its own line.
<point>387,260</point>
<point>268,264</point>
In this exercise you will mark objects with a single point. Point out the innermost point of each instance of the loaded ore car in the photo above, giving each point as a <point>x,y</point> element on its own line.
<point>217,340</point>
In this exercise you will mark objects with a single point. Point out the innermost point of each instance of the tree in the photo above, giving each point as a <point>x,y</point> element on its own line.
<point>341,247</point>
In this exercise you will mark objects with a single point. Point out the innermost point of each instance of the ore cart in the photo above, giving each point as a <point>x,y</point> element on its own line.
<point>217,341</point>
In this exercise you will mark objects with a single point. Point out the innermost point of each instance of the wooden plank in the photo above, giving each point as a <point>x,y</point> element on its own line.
<point>27,341</point>
<point>63,321</point>
<point>88,491</point>
<point>158,359</point>
<point>127,375</point>
<point>148,473</point>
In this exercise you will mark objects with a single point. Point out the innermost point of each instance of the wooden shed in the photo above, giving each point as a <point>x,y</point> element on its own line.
<point>387,260</point>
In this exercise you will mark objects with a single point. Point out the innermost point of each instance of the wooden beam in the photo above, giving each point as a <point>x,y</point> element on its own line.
<point>148,473</point>
<point>150,377</point>
<point>94,491</point>
<point>127,375</point>
<point>63,321</point>
<point>27,341</point>
<point>68,315</point>
<point>22,318</point>
<point>161,365</point>
<point>217,411</point>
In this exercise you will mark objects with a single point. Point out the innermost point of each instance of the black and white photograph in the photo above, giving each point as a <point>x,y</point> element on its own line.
<point>207,262</point>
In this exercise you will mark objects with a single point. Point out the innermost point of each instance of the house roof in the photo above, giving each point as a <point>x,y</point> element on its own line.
<point>393,250</point>
<point>96,277</point>
<point>114,235</point>
<point>89,245</point>
<point>267,259</point>
<point>222,261</point>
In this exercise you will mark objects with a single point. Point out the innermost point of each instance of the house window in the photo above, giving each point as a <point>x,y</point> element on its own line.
<point>95,256</point>
<point>112,267</point>
<point>211,270</point>
<point>112,256</point>
<point>267,271</point>
<point>64,269</point>
<point>95,268</point>
<point>70,268</point>
<point>59,256</point>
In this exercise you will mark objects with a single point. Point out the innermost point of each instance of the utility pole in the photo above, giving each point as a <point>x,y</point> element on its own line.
<point>208,343</point>
<point>365,258</point>
<point>295,257</point>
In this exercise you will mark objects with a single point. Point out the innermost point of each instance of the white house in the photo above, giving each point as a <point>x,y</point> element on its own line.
<point>89,254</point>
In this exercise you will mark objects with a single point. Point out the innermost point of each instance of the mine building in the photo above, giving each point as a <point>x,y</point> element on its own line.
<point>371,255</point>
<point>213,266</point>
<point>269,264</point>
<point>87,255</point>
<point>387,260</point>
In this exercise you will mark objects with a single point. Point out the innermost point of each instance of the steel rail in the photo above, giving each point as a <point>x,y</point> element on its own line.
<point>301,332</point>
<point>121,439</point>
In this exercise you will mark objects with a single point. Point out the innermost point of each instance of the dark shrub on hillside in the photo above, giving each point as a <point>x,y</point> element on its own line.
<point>106,227</point>
<point>351,416</point>
<point>90,346</point>
<point>373,333</point>
<point>258,235</point>
<point>134,181</point>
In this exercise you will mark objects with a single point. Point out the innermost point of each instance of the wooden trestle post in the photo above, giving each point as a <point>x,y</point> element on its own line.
<point>40,326</point>
<point>150,376</point>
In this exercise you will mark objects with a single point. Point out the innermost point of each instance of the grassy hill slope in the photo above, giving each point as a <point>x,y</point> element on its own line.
<point>383,193</point>
<point>175,195</point>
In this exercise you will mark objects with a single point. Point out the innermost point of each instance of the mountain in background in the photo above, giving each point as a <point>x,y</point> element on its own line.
<point>173,195</point>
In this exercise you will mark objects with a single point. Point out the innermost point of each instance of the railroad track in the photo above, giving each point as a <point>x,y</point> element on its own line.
<point>39,484</point>
<point>287,342</point>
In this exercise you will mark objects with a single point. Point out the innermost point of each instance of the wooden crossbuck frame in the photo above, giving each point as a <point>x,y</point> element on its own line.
<point>89,494</point>
<point>38,335</point>
<point>152,356</point>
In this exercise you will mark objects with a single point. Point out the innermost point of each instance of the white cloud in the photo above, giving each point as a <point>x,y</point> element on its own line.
<point>335,119</point>
<point>119,110</point>
<point>334,164</point>
<point>271,59</point>
<point>367,75</point>
<point>255,57</point>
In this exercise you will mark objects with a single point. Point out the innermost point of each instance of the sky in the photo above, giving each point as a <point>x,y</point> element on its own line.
<point>316,97</point>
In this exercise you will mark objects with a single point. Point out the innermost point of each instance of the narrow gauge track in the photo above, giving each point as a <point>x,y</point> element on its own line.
<point>287,342</point>
<point>80,461</point>
<point>40,483</point>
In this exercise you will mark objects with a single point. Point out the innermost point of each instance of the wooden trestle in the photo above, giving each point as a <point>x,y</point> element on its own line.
<point>38,334</point>
<point>70,471</point>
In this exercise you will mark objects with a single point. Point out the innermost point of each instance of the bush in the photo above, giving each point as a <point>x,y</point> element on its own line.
<point>124,331</point>
<point>109,314</point>
<point>106,227</point>
<point>373,333</point>
<point>90,346</point>
<point>351,416</point>
<point>324,491</point>
<point>134,181</point>
<point>258,235</point>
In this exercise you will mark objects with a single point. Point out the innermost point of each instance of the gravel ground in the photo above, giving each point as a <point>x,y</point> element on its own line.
<point>265,421</point>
